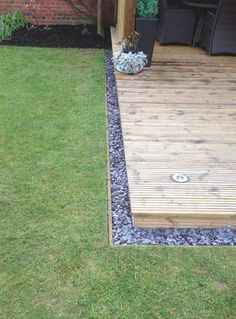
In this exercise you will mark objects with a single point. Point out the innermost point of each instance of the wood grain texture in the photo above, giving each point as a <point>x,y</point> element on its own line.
<point>125,18</point>
<point>179,116</point>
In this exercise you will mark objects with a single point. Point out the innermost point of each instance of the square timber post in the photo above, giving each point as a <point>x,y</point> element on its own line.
<point>125,18</point>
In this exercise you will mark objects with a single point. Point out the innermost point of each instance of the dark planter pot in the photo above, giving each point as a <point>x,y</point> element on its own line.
<point>147,28</point>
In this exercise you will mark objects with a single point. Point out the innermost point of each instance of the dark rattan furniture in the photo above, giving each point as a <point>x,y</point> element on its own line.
<point>176,23</point>
<point>219,29</point>
<point>200,6</point>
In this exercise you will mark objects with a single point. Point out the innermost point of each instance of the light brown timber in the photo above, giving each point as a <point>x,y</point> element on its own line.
<point>179,116</point>
<point>125,18</point>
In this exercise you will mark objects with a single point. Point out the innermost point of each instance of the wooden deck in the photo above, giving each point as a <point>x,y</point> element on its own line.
<point>179,116</point>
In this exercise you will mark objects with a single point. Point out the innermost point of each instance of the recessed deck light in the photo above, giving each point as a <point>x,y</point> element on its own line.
<point>180,178</point>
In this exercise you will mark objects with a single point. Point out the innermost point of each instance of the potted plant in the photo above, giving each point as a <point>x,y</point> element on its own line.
<point>128,59</point>
<point>146,26</point>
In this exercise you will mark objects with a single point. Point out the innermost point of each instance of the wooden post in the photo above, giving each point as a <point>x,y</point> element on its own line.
<point>100,29</point>
<point>125,17</point>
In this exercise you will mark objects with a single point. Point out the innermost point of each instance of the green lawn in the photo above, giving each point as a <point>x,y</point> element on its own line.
<point>55,260</point>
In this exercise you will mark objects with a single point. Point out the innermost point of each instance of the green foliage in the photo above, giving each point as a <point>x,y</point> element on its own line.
<point>147,8</point>
<point>9,23</point>
<point>55,260</point>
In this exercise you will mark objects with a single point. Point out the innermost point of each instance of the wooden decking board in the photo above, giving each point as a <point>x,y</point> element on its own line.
<point>179,116</point>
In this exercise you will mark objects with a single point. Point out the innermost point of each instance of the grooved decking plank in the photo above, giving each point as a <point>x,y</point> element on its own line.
<point>179,116</point>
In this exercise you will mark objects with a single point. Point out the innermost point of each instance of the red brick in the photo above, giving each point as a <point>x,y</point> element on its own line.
<point>55,11</point>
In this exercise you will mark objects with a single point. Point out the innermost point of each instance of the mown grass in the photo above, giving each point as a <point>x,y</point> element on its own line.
<point>55,260</point>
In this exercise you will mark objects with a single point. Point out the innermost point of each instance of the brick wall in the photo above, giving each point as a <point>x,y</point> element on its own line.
<point>57,11</point>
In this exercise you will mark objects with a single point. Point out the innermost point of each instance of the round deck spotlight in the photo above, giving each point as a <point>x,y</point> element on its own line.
<point>180,178</point>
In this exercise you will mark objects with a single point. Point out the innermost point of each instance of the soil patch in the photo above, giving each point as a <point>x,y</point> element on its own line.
<point>59,36</point>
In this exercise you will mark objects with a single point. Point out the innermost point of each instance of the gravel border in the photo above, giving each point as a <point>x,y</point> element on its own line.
<point>123,232</point>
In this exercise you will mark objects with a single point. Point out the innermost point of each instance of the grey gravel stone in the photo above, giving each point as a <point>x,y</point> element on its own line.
<point>122,228</point>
